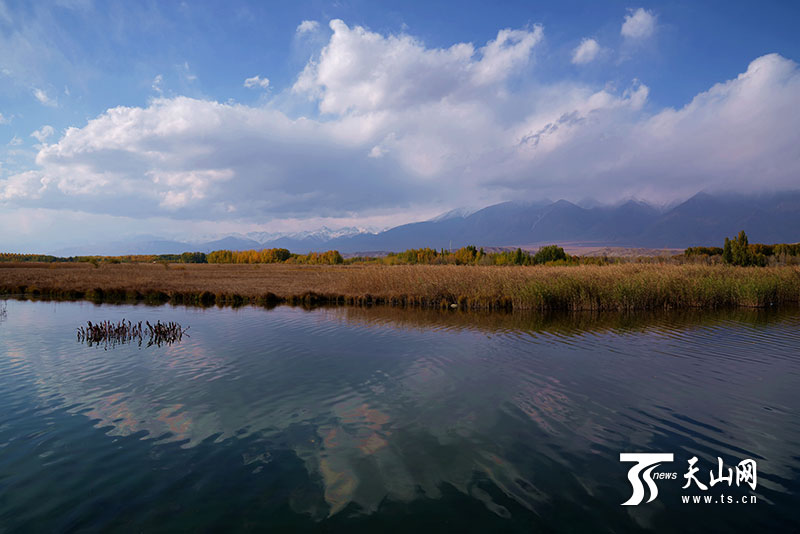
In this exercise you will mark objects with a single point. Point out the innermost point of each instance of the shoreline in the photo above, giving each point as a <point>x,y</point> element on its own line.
<point>626,287</point>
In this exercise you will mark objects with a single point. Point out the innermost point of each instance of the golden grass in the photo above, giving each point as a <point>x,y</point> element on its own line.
<point>584,287</point>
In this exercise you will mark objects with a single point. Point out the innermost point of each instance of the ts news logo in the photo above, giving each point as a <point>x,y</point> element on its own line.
<point>645,463</point>
<point>641,475</point>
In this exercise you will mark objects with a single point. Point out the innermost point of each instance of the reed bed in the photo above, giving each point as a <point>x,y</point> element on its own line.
<point>575,288</point>
<point>584,287</point>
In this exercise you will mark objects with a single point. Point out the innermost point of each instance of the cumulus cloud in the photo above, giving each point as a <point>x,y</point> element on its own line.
<point>361,71</point>
<point>183,187</point>
<point>42,97</point>
<point>503,55</point>
<point>738,135</point>
<point>43,133</point>
<point>585,52</point>
<point>638,24</point>
<point>256,81</point>
<point>403,126</point>
<point>196,158</point>
<point>307,26</point>
<point>24,185</point>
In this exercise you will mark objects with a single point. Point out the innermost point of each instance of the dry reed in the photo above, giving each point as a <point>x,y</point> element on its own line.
<point>584,287</point>
<point>109,334</point>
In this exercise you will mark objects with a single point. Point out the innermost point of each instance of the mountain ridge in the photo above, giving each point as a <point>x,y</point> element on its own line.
<point>704,219</point>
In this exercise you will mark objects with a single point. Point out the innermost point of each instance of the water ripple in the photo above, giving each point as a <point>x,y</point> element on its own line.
<point>338,413</point>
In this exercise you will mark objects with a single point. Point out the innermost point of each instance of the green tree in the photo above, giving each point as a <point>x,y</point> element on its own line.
<point>740,250</point>
<point>737,251</point>
<point>549,253</point>
<point>727,252</point>
<point>193,257</point>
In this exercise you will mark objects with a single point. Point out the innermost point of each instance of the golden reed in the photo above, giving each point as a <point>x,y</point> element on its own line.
<point>583,287</point>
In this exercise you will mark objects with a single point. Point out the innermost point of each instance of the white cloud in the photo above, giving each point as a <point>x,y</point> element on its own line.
<point>15,141</point>
<point>193,156</point>
<point>185,187</point>
<point>307,26</point>
<point>42,97</point>
<point>638,24</point>
<point>724,138</point>
<point>505,54</point>
<point>187,72</point>
<point>359,71</point>
<point>43,133</point>
<point>4,119</point>
<point>256,81</point>
<point>25,185</point>
<point>406,127</point>
<point>156,85</point>
<point>585,52</point>
<point>376,152</point>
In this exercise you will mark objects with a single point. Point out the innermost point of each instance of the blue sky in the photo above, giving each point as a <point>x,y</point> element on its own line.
<point>194,119</point>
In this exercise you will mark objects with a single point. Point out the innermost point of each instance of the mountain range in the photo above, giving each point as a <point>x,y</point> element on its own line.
<point>703,220</point>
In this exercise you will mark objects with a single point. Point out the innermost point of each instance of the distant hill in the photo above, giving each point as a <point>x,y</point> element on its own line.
<point>146,244</point>
<point>704,219</point>
<point>149,245</point>
<point>137,245</point>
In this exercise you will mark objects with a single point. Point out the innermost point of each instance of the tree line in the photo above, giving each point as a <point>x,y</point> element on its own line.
<point>274,255</point>
<point>128,258</point>
<point>469,255</point>
<point>739,251</point>
<point>735,251</point>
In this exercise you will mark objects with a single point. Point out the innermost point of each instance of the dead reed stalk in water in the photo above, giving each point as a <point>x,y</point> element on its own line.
<point>109,333</point>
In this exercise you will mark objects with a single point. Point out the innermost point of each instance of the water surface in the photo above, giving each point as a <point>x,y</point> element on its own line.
<point>381,419</point>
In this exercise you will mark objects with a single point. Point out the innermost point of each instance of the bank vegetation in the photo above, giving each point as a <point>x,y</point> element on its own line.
<point>625,286</point>
<point>738,274</point>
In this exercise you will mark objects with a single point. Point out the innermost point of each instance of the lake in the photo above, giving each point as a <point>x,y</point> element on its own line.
<point>381,419</point>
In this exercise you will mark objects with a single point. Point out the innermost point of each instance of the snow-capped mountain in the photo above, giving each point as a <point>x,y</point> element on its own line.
<point>323,234</point>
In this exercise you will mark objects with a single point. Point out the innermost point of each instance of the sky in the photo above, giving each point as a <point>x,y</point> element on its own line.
<point>192,120</point>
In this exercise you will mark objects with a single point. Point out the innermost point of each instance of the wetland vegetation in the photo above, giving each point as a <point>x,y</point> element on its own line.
<point>739,274</point>
<point>625,286</point>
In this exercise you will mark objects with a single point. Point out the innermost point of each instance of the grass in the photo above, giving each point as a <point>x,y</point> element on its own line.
<point>584,287</point>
